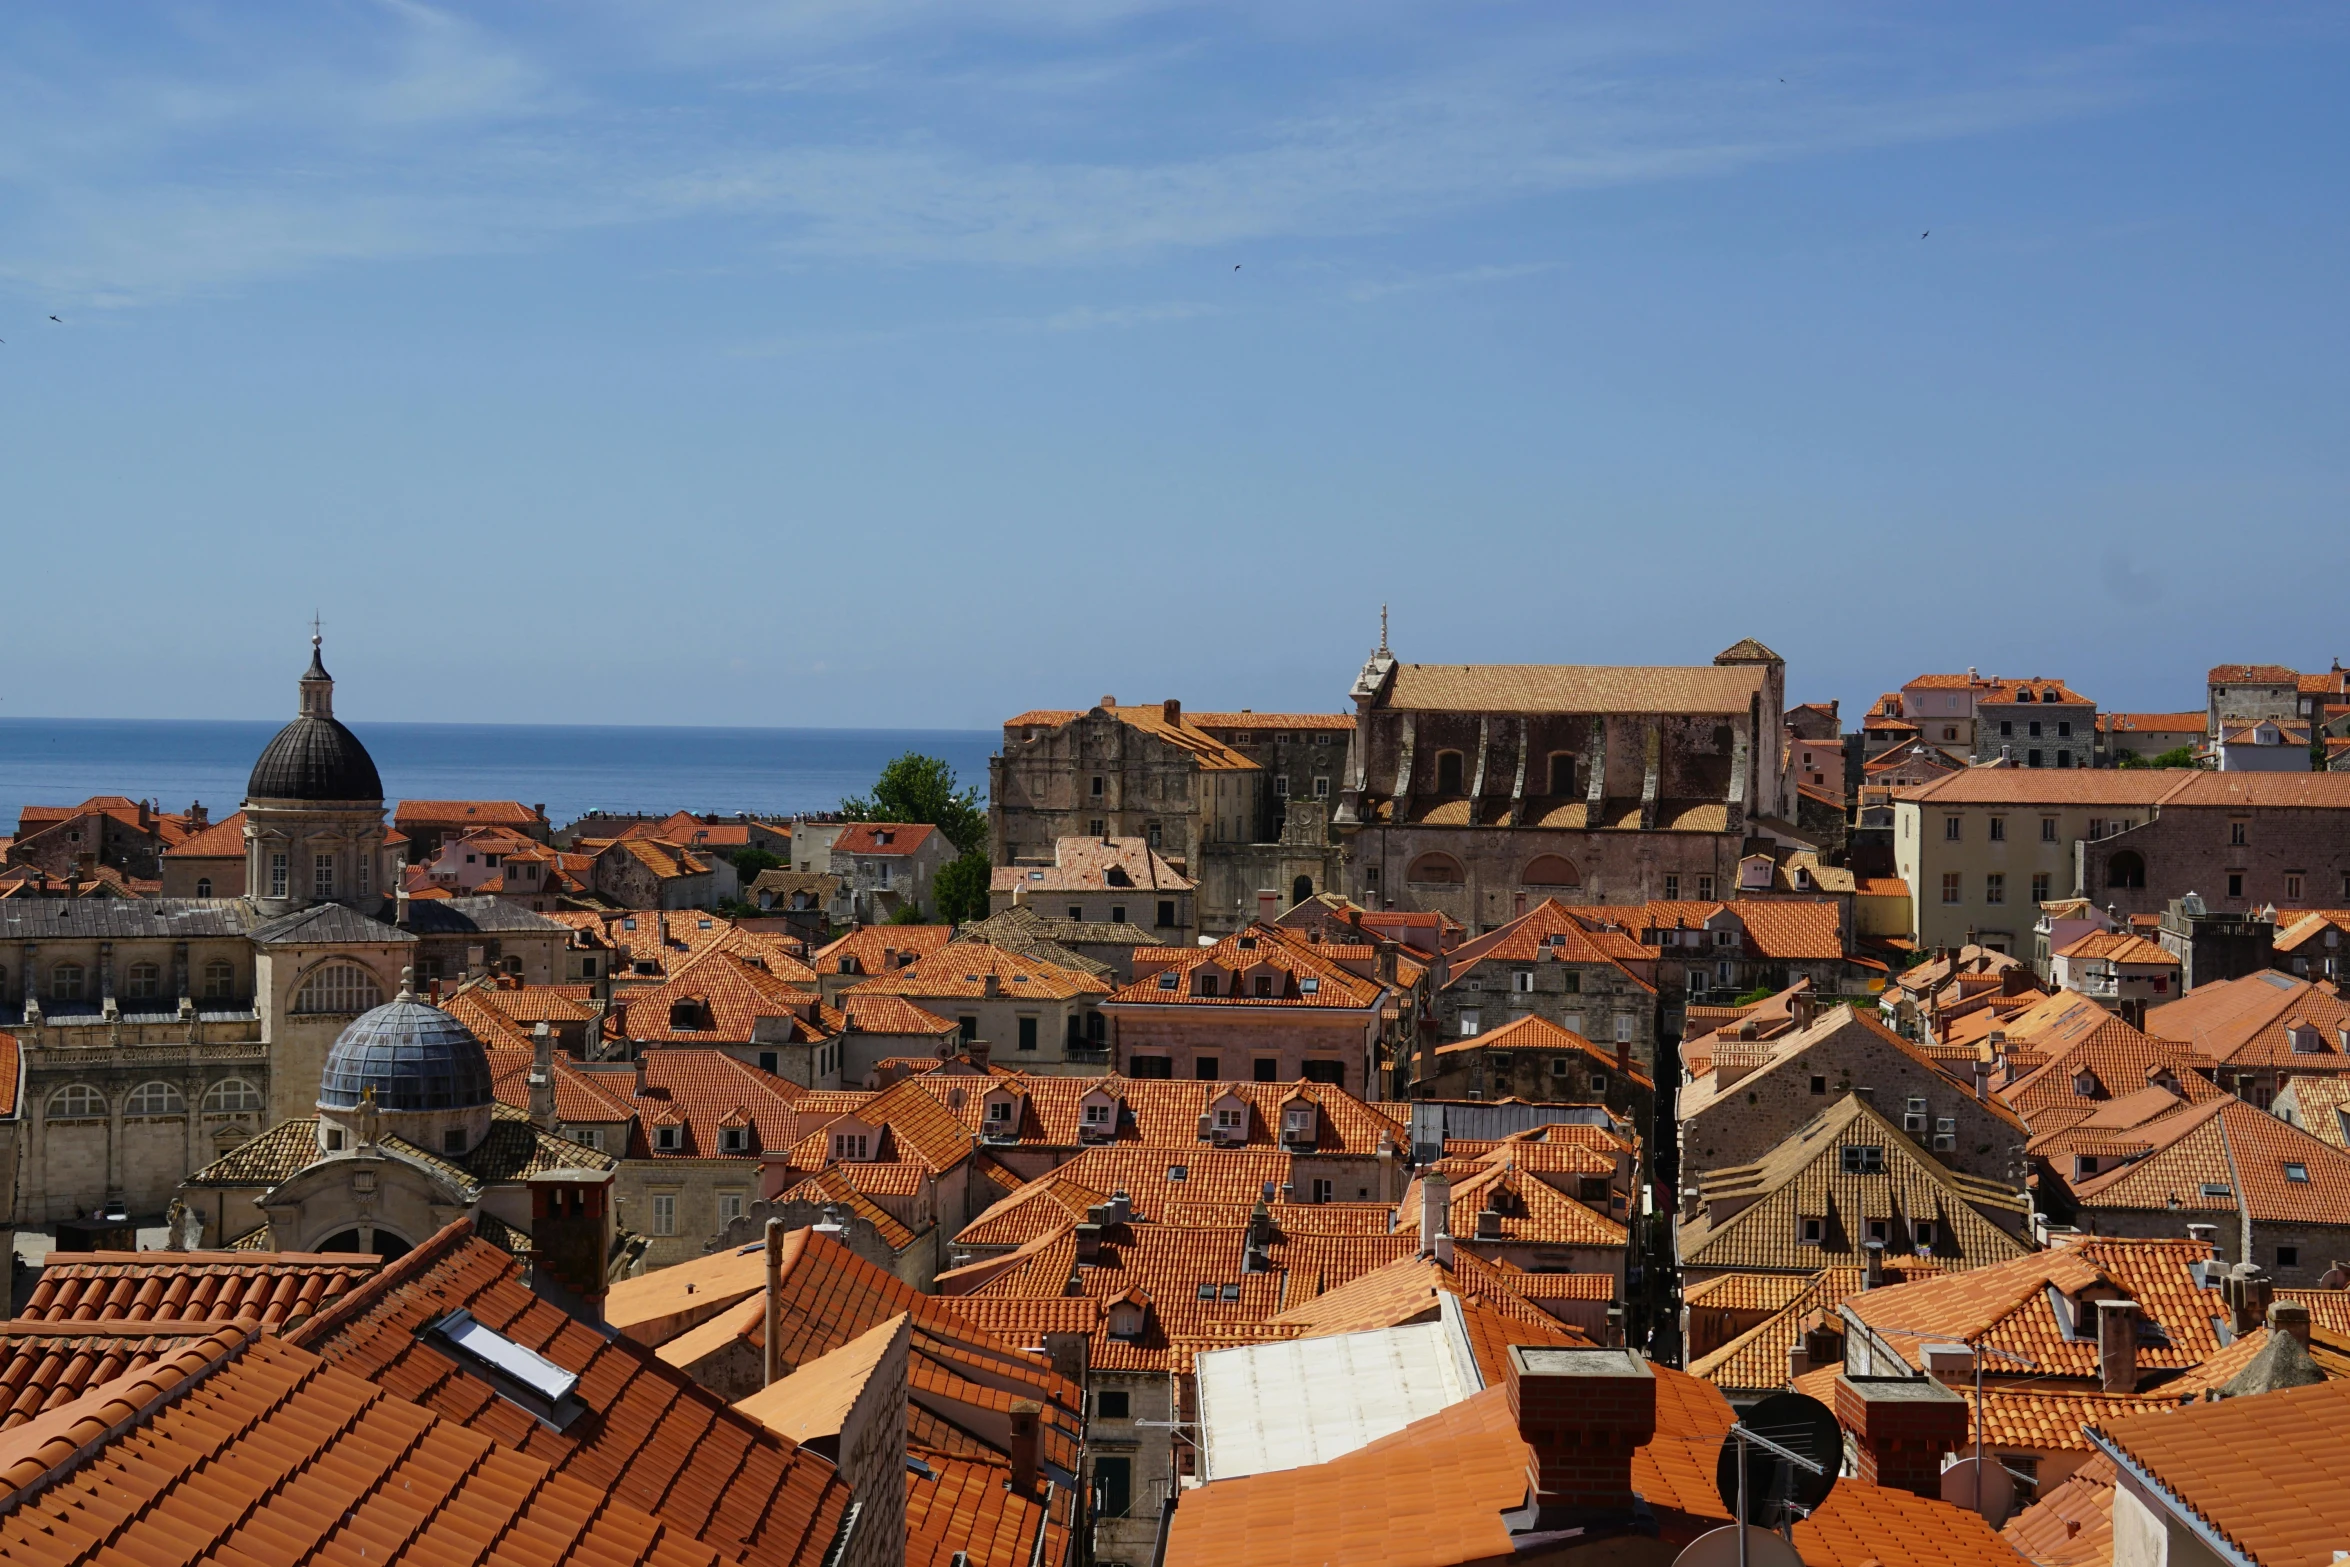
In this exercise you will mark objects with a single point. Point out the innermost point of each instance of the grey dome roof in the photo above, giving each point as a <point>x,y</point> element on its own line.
<point>314,759</point>
<point>415,1057</point>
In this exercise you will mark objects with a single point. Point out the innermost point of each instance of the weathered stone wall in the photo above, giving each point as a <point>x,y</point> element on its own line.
<point>2192,849</point>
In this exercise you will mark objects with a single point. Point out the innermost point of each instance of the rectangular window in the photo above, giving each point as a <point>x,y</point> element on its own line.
<point>1811,1229</point>
<point>2047,829</point>
<point>2288,1256</point>
<point>1995,887</point>
<point>1112,1406</point>
<point>366,882</point>
<point>1280,787</point>
<point>2292,886</point>
<point>2035,729</point>
<point>1999,829</point>
<point>767,1060</point>
<point>1950,887</point>
<point>1322,788</point>
<point>665,1214</point>
<point>1950,829</point>
<point>1623,1028</point>
<point>1672,889</point>
<point>277,876</point>
<point>1705,889</point>
<point>1097,786</point>
<point>1166,912</point>
<point>2040,887</point>
<point>1469,1023</point>
<point>1522,981</point>
<point>1267,1069</point>
<point>2236,834</point>
<point>730,1207</point>
<point>970,1027</point>
<point>1323,1191</point>
<point>2235,884</point>
<point>2032,758</point>
<point>1862,1159</point>
<point>1028,1033</point>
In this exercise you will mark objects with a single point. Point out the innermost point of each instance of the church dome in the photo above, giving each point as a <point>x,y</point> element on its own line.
<point>415,1057</point>
<point>315,757</point>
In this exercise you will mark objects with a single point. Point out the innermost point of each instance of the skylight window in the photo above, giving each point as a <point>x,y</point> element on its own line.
<point>2297,1172</point>
<point>523,1375</point>
<point>1309,986</point>
<point>1179,1172</point>
<point>2217,1189</point>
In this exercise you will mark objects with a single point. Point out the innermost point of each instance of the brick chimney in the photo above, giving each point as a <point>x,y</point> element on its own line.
<point>1268,905</point>
<point>1804,1006</point>
<point>2117,1346</point>
<point>1902,1426</point>
<point>1171,713</point>
<point>1027,1416</point>
<point>1583,1412</point>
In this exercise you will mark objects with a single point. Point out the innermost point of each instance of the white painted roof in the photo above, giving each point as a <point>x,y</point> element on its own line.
<point>1305,1401</point>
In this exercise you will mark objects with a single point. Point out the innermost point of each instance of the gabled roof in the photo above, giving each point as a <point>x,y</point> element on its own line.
<point>701,1089</point>
<point>1164,1113</point>
<point>878,1014</point>
<point>1535,1032</point>
<point>2118,946</point>
<point>2243,1022</point>
<point>2224,1157</point>
<point>882,838</point>
<point>731,994</point>
<point>1756,1361</point>
<point>1094,865</point>
<point>223,840</point>
<point>1804,1177</point>
<point>468,813</point>
<point>2253,674</point>
<point>1577,688</point>
<point>651,1439</point>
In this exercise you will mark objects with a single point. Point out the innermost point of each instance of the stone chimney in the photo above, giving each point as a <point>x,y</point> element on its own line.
<point>1027,1418</point>
<point>1089,1238</point>
<point>2290,1318</point>
<point>542,1077</point>
<point>1268,905</point>
<point>2117,1346</point>
<point>1583,1413</point>
<point>1435,1210</point>
<point>1902,1427</point>
<point>1387,964</point>
<point>991,985</point>
<point>2247,1292</point>
<point>1171,713</point>
<point>1982,1071</point>
<point>1804,1006</point>
<point>1872,1265</point>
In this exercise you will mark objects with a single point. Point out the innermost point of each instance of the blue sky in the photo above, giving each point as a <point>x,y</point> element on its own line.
<point>912,364</point>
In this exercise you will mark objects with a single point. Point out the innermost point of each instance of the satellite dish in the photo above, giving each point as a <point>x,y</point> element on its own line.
<point>1719,1548</point>
<point>1997,1497</point>
<point>1799,1423</point>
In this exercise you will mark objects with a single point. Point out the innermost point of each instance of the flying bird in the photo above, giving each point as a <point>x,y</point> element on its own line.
<point>1236,266</point>
<point>60,323</point>
<point>1922,236</point>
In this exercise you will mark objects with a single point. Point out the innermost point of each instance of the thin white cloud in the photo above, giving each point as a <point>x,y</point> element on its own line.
<point>429,135</point>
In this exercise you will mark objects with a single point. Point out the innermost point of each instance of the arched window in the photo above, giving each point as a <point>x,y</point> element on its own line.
<point>1301,889</point>
<point>143,982</point>
<point>1552,870</point>
<point>339,987</point>
<point>234,1096</point>
<point>1448,773</point>
<point>203,886</point>
<point>65,982</point>
<point>220,980</point>
<point>1562,773</point>
<point>1435,867</point>
<point>77,1102</point>
<point>2126,869</point>
<point>156,1098</point>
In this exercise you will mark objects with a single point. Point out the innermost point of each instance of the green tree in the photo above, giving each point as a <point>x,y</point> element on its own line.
<point>905,914</point>
<point>748,863</point>
<point>960,888</point>
<point>918,788</point>
<point>2176,756</point>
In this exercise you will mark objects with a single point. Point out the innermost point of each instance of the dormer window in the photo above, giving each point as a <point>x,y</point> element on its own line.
<point>665,1138</point>
<point>1811,1230</point>
<point>850,1145</point>
<point>1231,1120</point>
<point>1205,985</point>
<point>999,1112</point>
<point>2085,1084</point>
<point>1100,1116</point>
<point>734,1139</point>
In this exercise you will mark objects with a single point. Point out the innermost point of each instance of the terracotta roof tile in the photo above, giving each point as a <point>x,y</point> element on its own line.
<point>276,1289</point>
<point>650,1439</point>
<point>2266,1473</point>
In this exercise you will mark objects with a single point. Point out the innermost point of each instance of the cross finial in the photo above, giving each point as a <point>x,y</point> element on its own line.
<point>1382,628</point>
<point>317,629</point>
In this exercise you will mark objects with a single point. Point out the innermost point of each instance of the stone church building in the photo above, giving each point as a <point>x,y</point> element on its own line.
<point>1479,790</point>
<point>155,1036</point>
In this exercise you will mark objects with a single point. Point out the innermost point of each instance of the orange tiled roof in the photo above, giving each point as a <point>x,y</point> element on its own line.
<point>2072,1524</point>
<point>651,1439</point>
<point>1535,1032</point>
<point>1756,1361</point>
<point>1206,750</point>
<point>2118,946</point>
<point>1165,1113</point>
<point>2253,674</point>
<point>1298,972</point>
<point>2244,1022</point>
<point>719,997</point>
<point>2268,1473</point>
<point>882,837</point>
<point>470,813</point>
<point>276,1289</point>
<point>2228,1146</point>
<point>44,1366</point>
<point>960,972</point>
<point>580,1097</point>
<point>877,1014</point>
<point>245,1449</point>
<point>223,840</point>
<point>699,1090</point>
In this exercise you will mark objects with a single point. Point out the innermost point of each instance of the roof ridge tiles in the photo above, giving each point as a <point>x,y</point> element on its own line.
<point>409,1265</point>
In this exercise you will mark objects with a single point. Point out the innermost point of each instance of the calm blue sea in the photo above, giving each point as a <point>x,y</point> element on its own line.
<point>571,769</point>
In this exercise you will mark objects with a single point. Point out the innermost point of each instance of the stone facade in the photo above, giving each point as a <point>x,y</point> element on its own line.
<point>1213,810</point>
<point>2239,841</point>
<point>1479,791</point>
